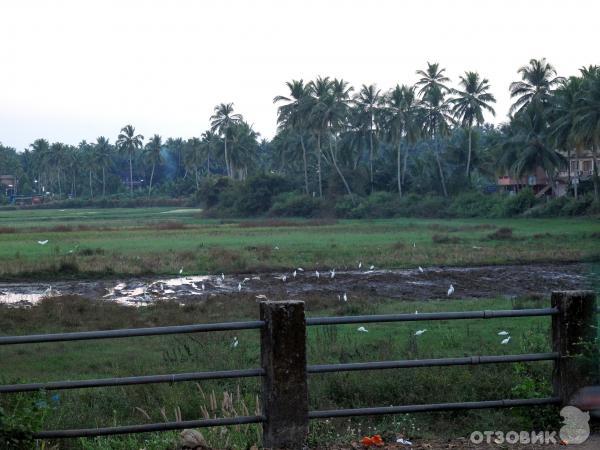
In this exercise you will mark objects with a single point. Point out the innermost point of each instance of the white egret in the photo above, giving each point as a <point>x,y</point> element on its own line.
<point>235,342</point>
<point>372,267</point>
<point>450,290</point>
<point>202,286</point>
<point>333,273</point>
<point>505,341</point>
<point>317,273</point>
<point>420,269</point>
<point>245,279</point>
<point>414,244</point>
<point>43,242</point>
<point>345,297</point>
<point>276,247</point>
<point>294,274</point>
<point>256,278</point>
<point>420,332</point>
<point>503,333</point>
<point>359,265</point>
<point>300,269</point>
<point>239,287</point>
<point>261,297</point>
<point>403,441</point>
<point>180,271</point>
<point>284,278</point>
<point>362,330</point>
<point>222,276</point>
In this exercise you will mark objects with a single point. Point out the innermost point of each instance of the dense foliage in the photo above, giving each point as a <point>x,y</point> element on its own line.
<point>337,146</point>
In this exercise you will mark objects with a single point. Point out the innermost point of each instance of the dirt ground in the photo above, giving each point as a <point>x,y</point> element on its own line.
<point>412,284</point>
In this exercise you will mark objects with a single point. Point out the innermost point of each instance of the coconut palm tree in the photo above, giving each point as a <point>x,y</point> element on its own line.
<point>293,115</point>
<point>401,122</point>
<point>537,81</point>
<point>320,90</point>
<point>432,78</point>
<point>221,122</point>
<point>587,119</point>
<point>104,158</point>
<point>472,99</point>
<point>128,142</point>
<point>153,154</point>
<point>437,119</point>
<point>367,101</point>
<point>87,151</point>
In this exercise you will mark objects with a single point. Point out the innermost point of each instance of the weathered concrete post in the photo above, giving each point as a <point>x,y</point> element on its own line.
<point>284,386</point>
<point>574,334</point>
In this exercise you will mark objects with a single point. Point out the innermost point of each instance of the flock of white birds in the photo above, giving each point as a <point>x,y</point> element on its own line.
<point>341,297</point>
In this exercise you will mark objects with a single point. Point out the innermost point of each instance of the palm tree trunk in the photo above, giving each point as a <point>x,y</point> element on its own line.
<point>340,173</point>
<point>319,164</point>
<point>371,158</point>
<point>208,163</point>
<point>130,174</point>
<point>151,178</point>
<point>439,164</point>
<point>305,165</point>
<point>398,169</point>
<point>103,181</point>
<point>197,182</point>
<point>91,191</point>
<point>576,185</point>
<point>469,156</point>
<point>227,159</point>
<point>59,184</point>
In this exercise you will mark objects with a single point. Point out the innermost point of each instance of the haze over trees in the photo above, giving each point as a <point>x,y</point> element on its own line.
<point>335,140</point>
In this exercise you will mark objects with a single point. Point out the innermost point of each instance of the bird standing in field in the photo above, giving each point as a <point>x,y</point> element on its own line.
<point>420,269</point>
<point>420,332</point>
<point>333,273</point>
<point>300,269</point>
<point>294,274</point>
<point>362,330</point>
<point>505,341</point>
<point>450,290</point>
<point>359,265</point>
<point>372,267</point>
<point>235,342</point>
<point>43,242</point>
<point>180,271</point>
<point>503,333</point>
<point>345,297</point>
<point>239,287</point>
<point>317,274</point>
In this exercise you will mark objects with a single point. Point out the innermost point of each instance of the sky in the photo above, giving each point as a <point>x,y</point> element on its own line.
<point>73,70</point>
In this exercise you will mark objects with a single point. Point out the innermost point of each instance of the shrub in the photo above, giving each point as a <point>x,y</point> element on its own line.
<point>516,204</point>
<point>378,204</point>
<point>473,204</point>
<point>444,239</point>
<point>295,205</point>
<point>257,193</point>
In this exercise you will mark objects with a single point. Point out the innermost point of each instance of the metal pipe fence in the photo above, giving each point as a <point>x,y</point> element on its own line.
<point>284,370</point>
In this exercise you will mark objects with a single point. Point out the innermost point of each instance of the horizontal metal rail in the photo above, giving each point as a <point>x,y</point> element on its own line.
<point>464,361</point>
<point>131,332</point>
<point>147,428</point>
<point>489,314</point>
<point>431,407</point>
<point>246,373</point>
<point>124,381</point>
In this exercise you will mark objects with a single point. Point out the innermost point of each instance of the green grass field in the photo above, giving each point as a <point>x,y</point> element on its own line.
<point>160,240</point>
<point>90,243</point>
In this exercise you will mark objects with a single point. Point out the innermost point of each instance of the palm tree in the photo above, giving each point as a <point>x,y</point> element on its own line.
<point>537,80</point>
<point>87,152</point>
<point>432,78</point>
<point>293,115</point>
<point>529,144</point>
<point>209,139</point>
<point>367,101</point>
<point>153,150</point>
<point>103,158</point>
<point>587,119</point>
<point>436,120</point>
<point>469,104</point>
<point>57,160</point>
<point>128,142</point>
<point>221,122</point>
<point>320,90</point>
<point>401,121</point>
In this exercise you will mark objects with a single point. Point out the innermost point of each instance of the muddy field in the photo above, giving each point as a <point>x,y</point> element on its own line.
<point>417,284</point>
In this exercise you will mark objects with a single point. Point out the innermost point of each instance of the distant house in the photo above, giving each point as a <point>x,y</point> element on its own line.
<point>579,167</point>
<point>8,185</point>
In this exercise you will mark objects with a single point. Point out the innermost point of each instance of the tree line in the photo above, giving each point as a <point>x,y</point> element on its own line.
<point>333,139</point>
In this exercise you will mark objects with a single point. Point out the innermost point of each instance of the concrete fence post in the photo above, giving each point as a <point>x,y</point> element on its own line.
<point>284,385</point>
<point>574,334</point>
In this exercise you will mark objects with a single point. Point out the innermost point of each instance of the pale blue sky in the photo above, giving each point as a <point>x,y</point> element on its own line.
<point>72,70</point>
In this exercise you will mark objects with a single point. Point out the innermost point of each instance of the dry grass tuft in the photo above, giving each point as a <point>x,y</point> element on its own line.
<point>503,233</point>
<point>444,239</point>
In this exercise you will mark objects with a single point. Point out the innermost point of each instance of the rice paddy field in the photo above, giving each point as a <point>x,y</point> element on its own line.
<point>130,244</point>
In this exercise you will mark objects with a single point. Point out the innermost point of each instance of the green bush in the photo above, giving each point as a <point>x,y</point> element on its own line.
<point>473,204</point>
<point>515,205</point>
<point>256,194</point>
<point>378,204</point>
<point>295,205</point>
